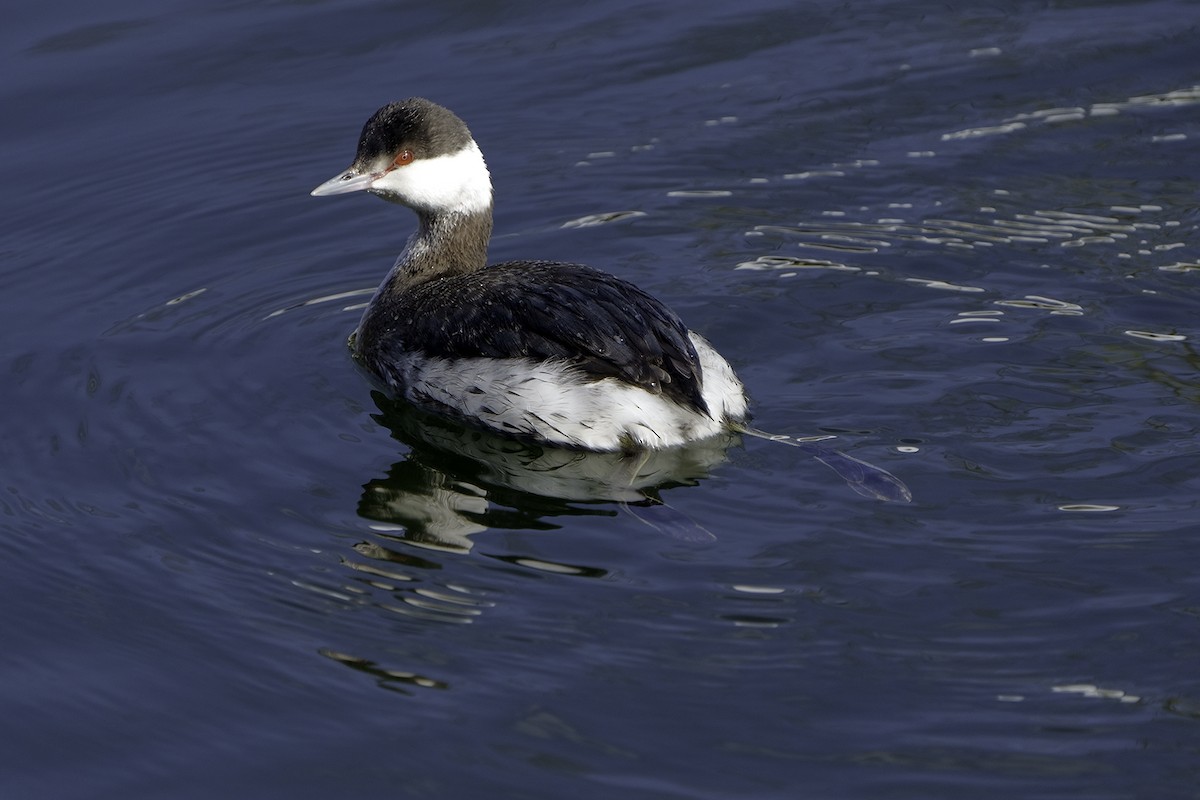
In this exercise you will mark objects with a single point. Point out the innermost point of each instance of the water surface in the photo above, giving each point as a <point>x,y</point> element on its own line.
<point>962,241</point>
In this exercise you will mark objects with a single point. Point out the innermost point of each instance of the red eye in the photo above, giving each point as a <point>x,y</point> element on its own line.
<point>402,158</point>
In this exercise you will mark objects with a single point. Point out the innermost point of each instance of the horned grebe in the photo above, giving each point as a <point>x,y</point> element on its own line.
<point>557,352</point>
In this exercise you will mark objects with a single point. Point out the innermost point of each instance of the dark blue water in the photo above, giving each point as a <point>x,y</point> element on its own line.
<point>962,240</point>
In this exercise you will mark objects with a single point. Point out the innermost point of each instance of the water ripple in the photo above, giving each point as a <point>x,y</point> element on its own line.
<point>1052,116</point>
<point>1064,228</point>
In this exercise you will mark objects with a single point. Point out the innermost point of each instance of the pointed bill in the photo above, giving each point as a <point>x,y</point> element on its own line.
<point>345,182</point>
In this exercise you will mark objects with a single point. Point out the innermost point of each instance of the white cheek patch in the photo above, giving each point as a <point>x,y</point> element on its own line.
<point>454,183</point>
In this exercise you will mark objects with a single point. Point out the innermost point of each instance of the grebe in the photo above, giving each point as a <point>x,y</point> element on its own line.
<point>560,353</point>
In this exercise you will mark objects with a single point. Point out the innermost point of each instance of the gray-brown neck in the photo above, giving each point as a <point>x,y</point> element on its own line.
<point>443,244</point>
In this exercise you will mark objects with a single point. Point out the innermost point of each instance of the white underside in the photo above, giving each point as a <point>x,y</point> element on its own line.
<point>549,401</point>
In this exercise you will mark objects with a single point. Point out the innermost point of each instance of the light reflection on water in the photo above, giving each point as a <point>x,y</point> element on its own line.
<point>965,246</point>
<point>1067,229</point>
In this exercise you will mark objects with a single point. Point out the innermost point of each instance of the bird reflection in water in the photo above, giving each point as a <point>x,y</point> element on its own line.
<point>457,481</point>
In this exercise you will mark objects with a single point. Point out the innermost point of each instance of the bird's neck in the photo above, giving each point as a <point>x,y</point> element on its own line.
<point>443,244</point>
